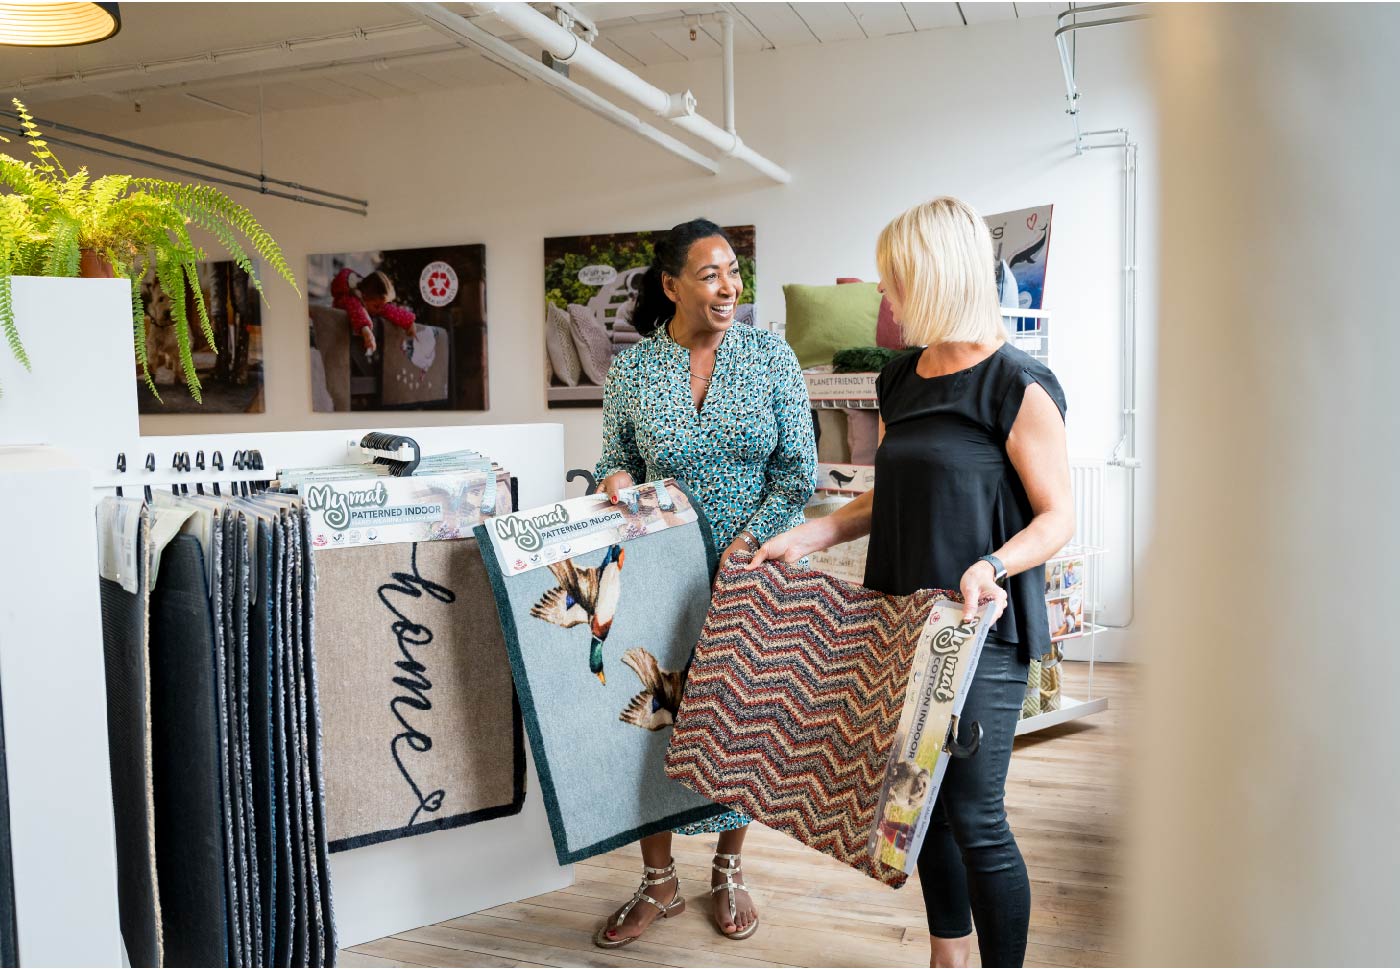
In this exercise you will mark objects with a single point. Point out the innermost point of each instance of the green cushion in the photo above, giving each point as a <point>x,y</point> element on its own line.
<point>824,319</point>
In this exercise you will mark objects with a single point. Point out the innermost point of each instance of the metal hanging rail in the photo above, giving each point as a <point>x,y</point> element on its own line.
<point>260,189</point>
<point>216,166</point>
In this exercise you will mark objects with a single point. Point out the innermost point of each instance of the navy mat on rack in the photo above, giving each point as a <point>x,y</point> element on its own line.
<point>191,856</point>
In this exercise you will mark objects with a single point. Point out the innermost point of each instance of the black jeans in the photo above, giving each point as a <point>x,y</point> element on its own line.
<point>969,866</point>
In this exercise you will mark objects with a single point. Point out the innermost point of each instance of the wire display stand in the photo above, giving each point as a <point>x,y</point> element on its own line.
<point>1071,708</point>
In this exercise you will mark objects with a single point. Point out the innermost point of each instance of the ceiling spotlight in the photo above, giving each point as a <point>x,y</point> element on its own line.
<point>61,24</point>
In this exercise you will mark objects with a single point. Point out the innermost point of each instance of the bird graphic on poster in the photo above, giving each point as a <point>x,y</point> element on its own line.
<point>585,596</point>
<point>656,706</point>
<point>841,479</point>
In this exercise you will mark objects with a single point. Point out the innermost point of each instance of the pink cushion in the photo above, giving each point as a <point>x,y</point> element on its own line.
<point>887,332</point>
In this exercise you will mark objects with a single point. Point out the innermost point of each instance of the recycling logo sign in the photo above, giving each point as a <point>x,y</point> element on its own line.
<point>438,283</point>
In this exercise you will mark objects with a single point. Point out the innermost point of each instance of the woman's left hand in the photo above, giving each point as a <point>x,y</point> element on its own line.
<point>978,582</point>
<point>738,545</point>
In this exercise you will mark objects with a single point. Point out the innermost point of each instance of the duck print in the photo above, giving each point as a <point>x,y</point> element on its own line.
<point>656,706</point>
<point>585,596</point>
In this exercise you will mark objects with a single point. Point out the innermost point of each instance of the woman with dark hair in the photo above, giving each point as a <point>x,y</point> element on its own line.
<point>723,409</point>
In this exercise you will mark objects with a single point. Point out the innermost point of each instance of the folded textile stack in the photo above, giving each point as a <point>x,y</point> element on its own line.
<point>820,708</point>
<point>214,732</point>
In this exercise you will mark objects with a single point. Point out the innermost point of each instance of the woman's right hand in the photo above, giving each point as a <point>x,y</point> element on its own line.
<point>615,482</point>
<point>790,546</point>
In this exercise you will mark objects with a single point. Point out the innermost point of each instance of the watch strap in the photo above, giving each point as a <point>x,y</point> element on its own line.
<point>998,568</point>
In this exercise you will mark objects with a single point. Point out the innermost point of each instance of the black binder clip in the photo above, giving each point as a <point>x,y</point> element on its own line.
<point>958,750</point>
<point>150,466</point>
<point>216,462</point>
<point>121,467</point>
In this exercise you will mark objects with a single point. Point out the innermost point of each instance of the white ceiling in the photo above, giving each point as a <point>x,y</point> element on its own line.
<point>201,61</point>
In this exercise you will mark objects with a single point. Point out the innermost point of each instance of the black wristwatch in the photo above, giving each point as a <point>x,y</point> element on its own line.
<point>1000,577</point>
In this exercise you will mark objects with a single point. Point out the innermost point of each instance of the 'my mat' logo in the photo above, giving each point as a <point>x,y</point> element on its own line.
<point>525,531</point>
<point>338,505</point>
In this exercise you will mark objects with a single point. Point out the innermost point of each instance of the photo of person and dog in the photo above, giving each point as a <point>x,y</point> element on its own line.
<point>398,329</point>
<point>230,373</point>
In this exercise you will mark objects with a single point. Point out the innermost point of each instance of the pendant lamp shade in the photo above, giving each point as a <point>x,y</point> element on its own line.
<point>60,24</point>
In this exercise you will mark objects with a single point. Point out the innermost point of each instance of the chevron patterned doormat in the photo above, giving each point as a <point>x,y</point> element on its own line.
<point>799,710</point>
<point>601,606</point>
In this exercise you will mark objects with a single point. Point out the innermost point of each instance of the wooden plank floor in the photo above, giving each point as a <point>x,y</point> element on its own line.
<point>1064,798</point>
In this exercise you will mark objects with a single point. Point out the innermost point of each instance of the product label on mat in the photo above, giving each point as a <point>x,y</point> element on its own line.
<point>385,510</point>
<point>942,671</point>
<point>541,536</point>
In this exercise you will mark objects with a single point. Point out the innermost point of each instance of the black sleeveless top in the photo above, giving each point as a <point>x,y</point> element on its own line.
<point>946,492</point>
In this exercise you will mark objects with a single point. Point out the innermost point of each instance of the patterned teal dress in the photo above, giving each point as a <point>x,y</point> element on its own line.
<point>748,455</point>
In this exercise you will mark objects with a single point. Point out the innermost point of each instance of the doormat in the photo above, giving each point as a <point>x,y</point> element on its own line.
<point>799,710</point>
<point>601,606</point>
<point>185,747</point>
<point>125,594</point>
<point>421,728</point>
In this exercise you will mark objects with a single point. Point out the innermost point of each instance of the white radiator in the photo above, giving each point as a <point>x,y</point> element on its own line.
<point>1087,484</point>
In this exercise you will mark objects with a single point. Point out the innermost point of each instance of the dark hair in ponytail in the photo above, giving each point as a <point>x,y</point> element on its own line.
<point>654,307</point>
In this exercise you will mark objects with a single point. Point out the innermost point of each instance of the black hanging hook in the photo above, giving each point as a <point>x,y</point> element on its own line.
<point>587,477</point>
<point>959,750</point>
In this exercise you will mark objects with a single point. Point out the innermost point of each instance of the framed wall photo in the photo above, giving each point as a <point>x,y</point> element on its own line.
<point>231,379</point>
<point>398,329</point>
<point>590,289</point>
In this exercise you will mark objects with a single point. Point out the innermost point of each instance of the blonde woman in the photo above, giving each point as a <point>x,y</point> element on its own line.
<point>971,492</point>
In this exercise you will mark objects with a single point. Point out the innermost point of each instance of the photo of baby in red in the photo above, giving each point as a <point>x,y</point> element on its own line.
<point>398,329</point>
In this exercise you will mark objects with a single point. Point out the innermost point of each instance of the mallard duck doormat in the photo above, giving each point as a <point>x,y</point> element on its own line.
<point>601,606</point>
<point>420,724</point>
<point>820,708</point>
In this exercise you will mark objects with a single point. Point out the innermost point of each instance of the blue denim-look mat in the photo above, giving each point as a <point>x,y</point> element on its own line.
<point>598,717</point>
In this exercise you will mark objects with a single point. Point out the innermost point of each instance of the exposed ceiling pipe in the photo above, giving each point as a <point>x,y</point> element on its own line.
<point>1062,40</point>
<point>566,47</point>
<point>1125,454</point>
<point>212,64</point>
<point>498,51</point>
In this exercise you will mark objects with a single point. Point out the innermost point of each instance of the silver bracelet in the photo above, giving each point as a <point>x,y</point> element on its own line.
<point>749,540</point>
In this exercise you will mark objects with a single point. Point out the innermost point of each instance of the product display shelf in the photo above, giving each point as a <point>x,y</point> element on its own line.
<point>1029,331</point>
<point>1071,708</point>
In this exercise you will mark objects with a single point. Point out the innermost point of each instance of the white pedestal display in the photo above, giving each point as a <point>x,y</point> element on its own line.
<point>81,391</point>
<point>55,708</point>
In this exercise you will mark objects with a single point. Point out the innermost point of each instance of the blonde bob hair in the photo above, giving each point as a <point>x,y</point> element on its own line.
<point>938,258</point>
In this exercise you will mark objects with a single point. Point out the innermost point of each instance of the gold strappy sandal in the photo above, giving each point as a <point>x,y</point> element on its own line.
<point>674,907</point>
<point>732,868</point>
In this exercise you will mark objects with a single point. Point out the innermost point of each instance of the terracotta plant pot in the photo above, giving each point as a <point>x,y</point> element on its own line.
<point>93,265</point>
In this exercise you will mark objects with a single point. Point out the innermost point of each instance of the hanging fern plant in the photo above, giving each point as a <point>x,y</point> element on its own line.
<point>49,219</point>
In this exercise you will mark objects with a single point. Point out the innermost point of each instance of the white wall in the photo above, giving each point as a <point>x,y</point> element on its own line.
<point>867,128</point>
<point>1265,754</point>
